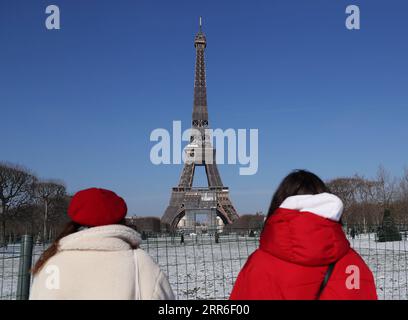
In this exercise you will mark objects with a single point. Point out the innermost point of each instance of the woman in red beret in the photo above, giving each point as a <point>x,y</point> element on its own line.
<point>303,252</point>
<point>97,256</point>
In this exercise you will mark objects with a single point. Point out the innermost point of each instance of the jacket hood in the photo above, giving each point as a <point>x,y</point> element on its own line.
<point>106,238</point>
<point>305,230</point>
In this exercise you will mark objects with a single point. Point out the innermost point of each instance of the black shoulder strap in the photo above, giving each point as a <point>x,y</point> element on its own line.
<point>326,278</point>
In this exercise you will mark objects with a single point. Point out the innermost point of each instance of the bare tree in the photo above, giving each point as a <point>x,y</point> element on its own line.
<point>48,193</point>
<point>402,202</point>
<point>386,188</point>
<point>359,196</point>
<point>349,189</point>
<point>16,190</point>
<point>345,189</point>
<point>404,186</point>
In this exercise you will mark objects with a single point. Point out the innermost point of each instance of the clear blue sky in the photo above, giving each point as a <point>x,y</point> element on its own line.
<point>79,104</point>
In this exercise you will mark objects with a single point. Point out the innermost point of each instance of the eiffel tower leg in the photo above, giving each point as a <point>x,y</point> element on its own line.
<point>225,208</point>
<point>186,178</point>
<point>213,176</point>
<point>175,210</point>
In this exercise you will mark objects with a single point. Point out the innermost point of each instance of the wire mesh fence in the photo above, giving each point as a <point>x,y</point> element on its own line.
<point>205,266</point>
<point>201,268</point>
<point>11,258</point>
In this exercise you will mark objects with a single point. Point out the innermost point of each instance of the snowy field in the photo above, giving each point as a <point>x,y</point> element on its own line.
<point>389,263</point>
<point>202,269</point>
<point>205,270</point>
<point>9,265</point>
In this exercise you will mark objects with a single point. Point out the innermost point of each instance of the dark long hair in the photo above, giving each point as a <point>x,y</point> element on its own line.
<point>298,182</point>
<point>70,228</point>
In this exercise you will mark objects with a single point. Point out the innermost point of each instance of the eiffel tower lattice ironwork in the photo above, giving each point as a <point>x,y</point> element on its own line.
<point>201,153</point>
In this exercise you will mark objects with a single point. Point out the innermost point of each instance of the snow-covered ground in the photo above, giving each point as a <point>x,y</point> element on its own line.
<point>389,263</point>
<point>9,265</point>
<point>203,269</point>
<point>206,270</point>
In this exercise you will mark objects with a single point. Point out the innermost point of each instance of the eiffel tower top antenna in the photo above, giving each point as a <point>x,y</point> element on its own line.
<point>201,23</point>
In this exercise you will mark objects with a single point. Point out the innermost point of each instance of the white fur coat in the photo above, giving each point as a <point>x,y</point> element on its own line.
<point>100,263</point>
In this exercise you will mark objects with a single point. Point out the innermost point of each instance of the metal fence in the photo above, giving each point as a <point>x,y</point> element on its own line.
<point>203,267</point>
<point>17,257</point>
<point>200,268</point>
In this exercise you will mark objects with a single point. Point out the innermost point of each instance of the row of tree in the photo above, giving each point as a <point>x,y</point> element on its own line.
<point>29,204</point>
<point>366,200</point>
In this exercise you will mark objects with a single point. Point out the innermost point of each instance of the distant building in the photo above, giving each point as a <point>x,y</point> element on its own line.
<point>246,223</point>
<point>144,224</point>
<point>183,226</point>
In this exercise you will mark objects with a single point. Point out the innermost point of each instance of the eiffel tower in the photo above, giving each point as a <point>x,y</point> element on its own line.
<point>199,152</point>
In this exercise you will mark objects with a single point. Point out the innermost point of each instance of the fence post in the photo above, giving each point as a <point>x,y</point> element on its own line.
<point>24,276</point>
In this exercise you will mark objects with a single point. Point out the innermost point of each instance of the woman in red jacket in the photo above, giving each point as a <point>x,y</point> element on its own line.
<point>303,252</point>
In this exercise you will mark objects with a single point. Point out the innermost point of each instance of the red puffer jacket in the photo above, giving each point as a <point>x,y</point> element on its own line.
<point>296,248</point>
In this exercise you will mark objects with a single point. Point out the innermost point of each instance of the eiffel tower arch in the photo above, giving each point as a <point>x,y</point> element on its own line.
<point>185,199</point>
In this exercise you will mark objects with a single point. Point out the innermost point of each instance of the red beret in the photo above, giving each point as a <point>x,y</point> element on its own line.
<point>96,207</point>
